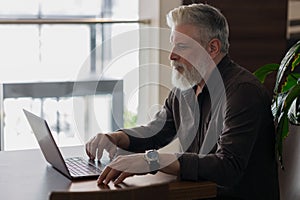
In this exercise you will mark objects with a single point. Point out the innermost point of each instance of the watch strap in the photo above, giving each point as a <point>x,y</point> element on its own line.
<point>154,166</point>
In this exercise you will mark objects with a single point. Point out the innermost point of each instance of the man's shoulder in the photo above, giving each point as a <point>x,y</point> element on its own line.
<point>236,75</point>
<point>241,82</point>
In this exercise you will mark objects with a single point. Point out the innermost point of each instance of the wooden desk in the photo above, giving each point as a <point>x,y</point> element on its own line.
<point>25,175</point>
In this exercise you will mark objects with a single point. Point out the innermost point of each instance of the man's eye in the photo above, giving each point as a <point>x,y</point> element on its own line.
<point>182,46</point>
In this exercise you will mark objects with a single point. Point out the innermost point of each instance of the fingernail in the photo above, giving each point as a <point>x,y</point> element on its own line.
<point>99,180</point>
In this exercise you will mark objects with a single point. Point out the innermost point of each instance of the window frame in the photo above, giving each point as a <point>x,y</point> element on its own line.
<point>8,90</point>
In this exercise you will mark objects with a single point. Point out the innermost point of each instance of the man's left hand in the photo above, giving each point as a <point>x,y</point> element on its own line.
<point>123,167</point>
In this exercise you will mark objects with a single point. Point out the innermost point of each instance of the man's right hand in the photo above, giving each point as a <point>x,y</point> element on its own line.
<point>109,142</point>
<point>95,146</point>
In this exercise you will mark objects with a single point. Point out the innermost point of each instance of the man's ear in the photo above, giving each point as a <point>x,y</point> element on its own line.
<point>214,47</point>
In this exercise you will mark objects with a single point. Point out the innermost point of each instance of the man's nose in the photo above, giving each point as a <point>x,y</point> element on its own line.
<point>173,55</point>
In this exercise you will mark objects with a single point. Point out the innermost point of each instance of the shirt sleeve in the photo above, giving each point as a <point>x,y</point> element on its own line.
<point>156,134</point>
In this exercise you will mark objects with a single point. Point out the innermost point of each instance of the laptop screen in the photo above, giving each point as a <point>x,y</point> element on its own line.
<point>46,142</point>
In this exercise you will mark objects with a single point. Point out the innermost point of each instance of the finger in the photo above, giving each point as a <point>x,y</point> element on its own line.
<point>111,176</point>
<point>87,147</point>
<point>93,146</point>
<point>103,175</point>
<point>112,152</point>
<point>122,177</point>
<point>99,153</point>
<point>101,147</point>
<point>110,146</point>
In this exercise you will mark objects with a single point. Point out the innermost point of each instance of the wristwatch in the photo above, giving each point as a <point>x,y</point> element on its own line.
<point>152,157</point>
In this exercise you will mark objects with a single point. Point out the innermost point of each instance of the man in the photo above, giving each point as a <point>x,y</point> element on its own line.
<point>218,110</point>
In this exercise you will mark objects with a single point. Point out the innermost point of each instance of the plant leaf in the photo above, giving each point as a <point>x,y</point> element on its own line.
<point>294,112</point>
<point>296,62</point>
<point>283,126</point>
<point>265,70</point>
<point>285,63</point>
<point>277,105</point>
<point>293,94</point>
<point>290,97</point>
<point>282,129</point>
<point>291,80</point>
<point>282,133</point>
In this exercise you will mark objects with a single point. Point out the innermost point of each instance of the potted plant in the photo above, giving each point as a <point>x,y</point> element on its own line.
<point>286,94</point>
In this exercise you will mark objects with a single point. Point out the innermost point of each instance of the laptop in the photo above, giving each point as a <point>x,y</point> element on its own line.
<point>73,167</point>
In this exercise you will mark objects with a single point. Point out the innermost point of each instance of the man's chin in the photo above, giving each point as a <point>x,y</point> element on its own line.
<point>180,81</point>
<point>182,86</point>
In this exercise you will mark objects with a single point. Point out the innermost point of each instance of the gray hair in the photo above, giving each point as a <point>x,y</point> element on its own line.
<point>211,22</point>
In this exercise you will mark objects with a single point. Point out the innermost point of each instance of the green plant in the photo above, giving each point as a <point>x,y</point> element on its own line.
<point>130,119</point>
<point>286,99</point>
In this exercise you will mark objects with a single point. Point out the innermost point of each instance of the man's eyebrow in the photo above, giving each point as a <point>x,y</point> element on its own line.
<point>179,40</point>
<point>181,43</point>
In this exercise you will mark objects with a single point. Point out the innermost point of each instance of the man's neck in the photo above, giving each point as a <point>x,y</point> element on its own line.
<point>200,87</point>
<point>216,60</point>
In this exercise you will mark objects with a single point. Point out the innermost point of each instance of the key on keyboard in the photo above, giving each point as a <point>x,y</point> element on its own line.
<point>78,166</point>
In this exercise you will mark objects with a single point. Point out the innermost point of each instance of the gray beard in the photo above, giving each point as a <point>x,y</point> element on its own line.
<point>186,80</point>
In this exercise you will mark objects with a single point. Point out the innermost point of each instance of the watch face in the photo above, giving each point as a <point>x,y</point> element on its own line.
<point>152,155</point>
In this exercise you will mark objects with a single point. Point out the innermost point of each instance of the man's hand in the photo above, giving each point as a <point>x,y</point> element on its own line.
<point>125,166</point>
<point>97,144</point>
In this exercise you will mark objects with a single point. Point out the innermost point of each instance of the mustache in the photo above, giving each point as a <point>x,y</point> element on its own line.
<point>177,65</point>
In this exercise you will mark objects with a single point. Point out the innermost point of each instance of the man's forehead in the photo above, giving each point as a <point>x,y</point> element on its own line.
<point>185,33</point>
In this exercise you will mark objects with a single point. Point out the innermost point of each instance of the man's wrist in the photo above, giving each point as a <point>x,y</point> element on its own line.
<point>152,158</point>
<point>120,139</point>
<point>169,164</point>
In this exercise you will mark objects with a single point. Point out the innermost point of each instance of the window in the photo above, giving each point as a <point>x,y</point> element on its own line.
<point>44,42</point>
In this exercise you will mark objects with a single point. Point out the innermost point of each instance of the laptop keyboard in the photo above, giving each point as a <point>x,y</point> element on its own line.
<point>81,167</point>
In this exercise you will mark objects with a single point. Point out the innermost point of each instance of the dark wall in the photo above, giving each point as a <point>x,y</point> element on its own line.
<point>257,31</point>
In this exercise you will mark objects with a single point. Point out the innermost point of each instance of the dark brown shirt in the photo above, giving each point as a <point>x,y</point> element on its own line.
<point>226,133</point>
